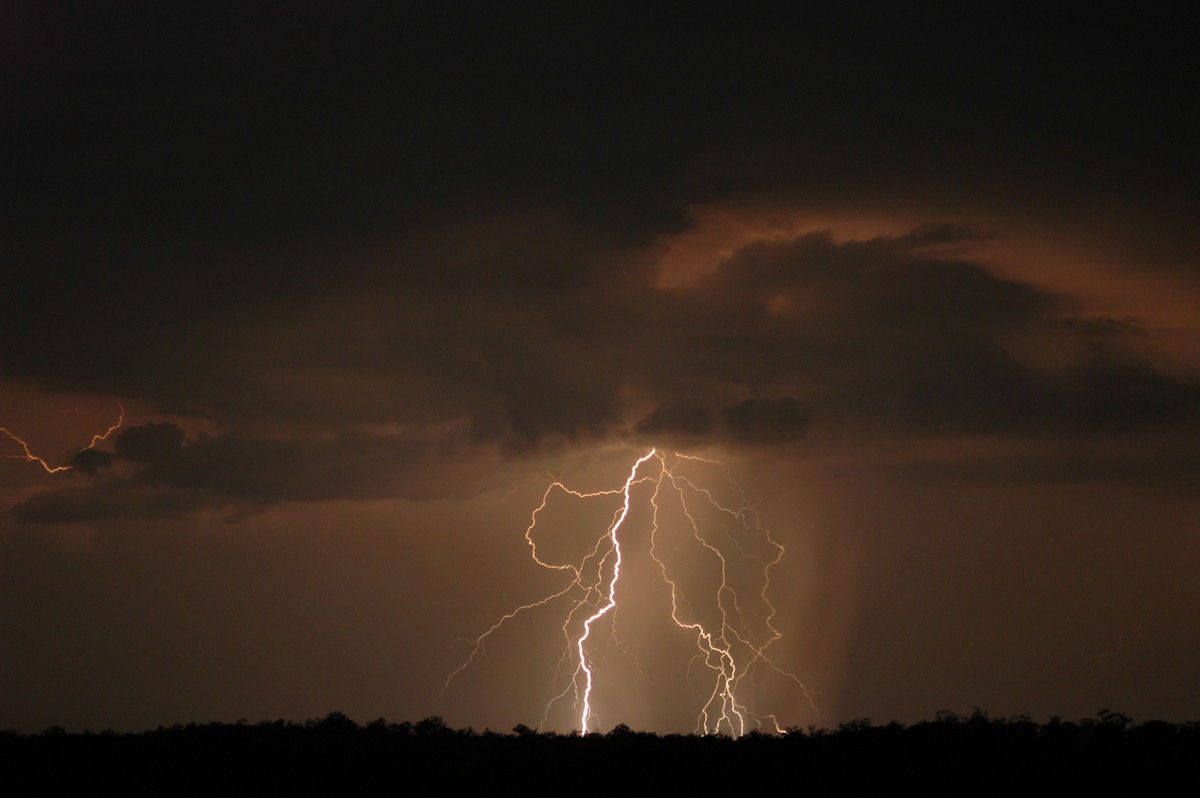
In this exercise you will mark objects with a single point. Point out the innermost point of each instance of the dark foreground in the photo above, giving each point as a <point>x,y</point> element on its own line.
<point>334,755</point>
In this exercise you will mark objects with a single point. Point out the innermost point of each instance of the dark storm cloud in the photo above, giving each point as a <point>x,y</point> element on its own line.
<point>885,283</point>
<point>76,504</point>
<point>311,221</point>
<point>1115,395</point>
<point>539,406</point>
<point>297,469</point>
<point>885,329</point>
<point>761,422</point>
<point>150,443</point>
<point>176,171</point>
<point>1167,463</point>
<point>765,421</point>
<point>228,472</point>
<point>783,337</point>
<point>677,418</point>
<point>89,461</point>
<point>174,168</point>
<point>940,235</point>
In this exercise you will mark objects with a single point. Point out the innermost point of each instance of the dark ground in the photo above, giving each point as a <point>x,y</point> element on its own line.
<point>949,755</point>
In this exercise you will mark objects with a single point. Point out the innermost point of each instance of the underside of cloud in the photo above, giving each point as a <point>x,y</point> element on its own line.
<point>908,334</point>
<point>762,422</point>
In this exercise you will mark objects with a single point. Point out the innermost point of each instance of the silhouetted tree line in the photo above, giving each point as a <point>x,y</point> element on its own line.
<point>948,755</point>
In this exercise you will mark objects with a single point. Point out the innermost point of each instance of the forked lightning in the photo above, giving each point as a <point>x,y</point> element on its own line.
<point>29,456</point>
<point>732,633</point>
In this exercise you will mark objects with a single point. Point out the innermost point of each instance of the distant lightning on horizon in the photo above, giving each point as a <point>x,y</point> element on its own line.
<point>29,456</point>
<point>731,630</point>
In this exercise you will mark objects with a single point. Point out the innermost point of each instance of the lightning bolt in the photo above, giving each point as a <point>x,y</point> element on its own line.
<point>584,663</point>
<point>732,631</point>
<point>30,457</point>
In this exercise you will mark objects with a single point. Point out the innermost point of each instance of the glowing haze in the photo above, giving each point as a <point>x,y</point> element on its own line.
<point>303,302</point>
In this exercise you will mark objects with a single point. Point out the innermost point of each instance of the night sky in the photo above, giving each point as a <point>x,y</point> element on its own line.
<point>365,278</point>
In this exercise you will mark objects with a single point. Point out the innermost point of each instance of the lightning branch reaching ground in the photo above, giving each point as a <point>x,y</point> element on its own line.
<point>29,456</point>
<point>706,544</point>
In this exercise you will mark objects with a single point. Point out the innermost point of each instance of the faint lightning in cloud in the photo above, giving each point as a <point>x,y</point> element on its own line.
<point>728,549</point>
<point>29,456</point>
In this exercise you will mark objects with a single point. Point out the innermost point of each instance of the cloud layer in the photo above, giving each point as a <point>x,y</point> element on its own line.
<point>905,336</point>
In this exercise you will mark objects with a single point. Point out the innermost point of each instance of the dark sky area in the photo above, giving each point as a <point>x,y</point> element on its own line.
<point>364,278</point>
